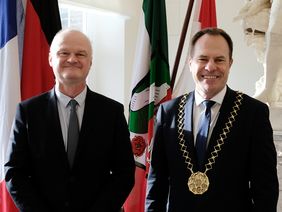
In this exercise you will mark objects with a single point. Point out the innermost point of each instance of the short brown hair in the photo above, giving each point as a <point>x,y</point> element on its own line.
<point>215,32</point>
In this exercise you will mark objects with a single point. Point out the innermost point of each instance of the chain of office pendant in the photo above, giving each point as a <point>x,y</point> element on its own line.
<point>222,136</point>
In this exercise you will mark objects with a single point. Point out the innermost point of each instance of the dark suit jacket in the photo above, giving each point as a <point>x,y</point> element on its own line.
<point>244,176</point>
<point>38,175</point>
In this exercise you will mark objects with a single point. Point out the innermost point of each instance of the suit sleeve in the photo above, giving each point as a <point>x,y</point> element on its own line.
<point>17,167</point>
<point>264,181</point>
<point>157,183</point>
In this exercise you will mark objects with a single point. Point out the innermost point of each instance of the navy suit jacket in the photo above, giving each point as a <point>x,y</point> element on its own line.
<point>38,175</point>
<point>244,175</point>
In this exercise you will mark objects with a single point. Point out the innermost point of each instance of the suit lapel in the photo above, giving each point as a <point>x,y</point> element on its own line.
<point>90,111</point>
<point>224,114</point>
<point>52,117</point>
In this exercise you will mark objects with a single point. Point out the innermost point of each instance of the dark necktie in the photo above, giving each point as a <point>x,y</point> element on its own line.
<point>73,132</point>
<point>203,132</point>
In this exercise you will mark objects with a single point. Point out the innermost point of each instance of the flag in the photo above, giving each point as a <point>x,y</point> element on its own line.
<point>9,87</point>
<point>42,22</point>
<point>150,87</point>
<point>203,16</point>
<point>26,34</point>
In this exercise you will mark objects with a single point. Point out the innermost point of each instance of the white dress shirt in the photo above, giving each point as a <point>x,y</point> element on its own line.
<point>64,110</point>
<point>199,108</point>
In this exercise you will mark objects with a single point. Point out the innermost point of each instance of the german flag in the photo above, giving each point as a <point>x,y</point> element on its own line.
<point>42,22</point>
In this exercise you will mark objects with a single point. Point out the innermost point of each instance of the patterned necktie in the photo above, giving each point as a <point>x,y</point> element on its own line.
<point>73,132</point>
<point>203,132</point>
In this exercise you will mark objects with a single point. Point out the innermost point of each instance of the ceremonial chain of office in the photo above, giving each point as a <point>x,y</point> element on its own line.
<point>198,182</point>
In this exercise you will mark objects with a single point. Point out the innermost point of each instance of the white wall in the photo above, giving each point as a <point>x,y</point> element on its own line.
<point>246,70</point>
<point>108,69</point>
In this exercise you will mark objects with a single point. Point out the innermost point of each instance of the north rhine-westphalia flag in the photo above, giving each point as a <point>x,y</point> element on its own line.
<point>150,87</point>
<point>27,28</point>
<point>203,16</point>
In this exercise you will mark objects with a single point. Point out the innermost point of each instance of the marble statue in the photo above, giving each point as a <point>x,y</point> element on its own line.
<point>262,24</point>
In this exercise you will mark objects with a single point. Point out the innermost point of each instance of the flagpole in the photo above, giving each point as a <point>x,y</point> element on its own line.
<point>181,43</point>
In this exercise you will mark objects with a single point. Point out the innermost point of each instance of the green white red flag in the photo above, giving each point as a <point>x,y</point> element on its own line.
<point>150,87</point>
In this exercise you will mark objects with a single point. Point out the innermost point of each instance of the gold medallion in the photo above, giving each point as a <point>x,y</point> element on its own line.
<point>198,183</point>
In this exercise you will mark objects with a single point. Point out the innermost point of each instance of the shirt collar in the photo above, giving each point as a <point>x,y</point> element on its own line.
<point>218,98</point>
<point>64,99</point>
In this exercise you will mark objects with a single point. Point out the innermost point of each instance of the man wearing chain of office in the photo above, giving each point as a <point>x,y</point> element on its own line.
<point>213,148</point>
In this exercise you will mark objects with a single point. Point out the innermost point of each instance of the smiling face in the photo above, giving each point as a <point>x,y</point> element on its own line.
<point>71,58</point>
<point>210,64</point>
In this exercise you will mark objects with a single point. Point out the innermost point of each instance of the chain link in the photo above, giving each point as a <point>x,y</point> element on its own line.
<point>217,148</point>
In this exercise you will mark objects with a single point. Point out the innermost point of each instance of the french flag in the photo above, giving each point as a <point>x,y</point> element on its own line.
<point>9,85</point>
<point>27,28</point>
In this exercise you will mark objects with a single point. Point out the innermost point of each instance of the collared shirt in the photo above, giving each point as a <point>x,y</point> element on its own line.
<point>64,110</point>
<point>198,109</point>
